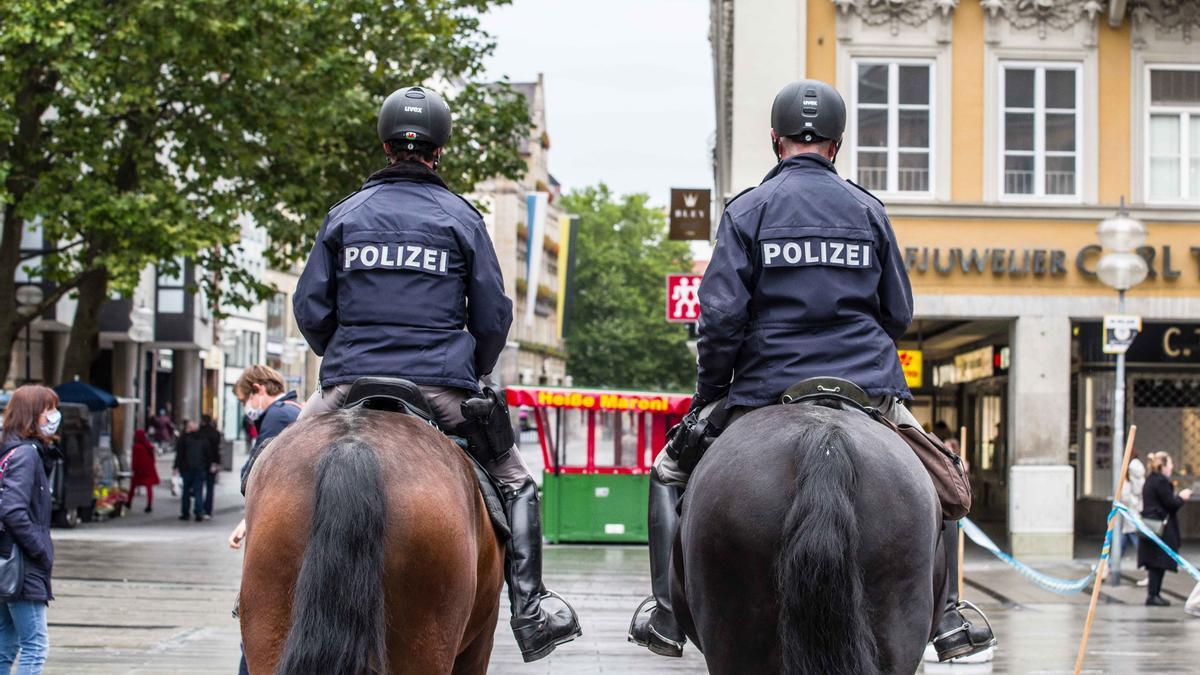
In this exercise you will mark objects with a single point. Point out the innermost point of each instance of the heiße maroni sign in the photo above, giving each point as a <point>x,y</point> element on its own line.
<point>1162,260</point>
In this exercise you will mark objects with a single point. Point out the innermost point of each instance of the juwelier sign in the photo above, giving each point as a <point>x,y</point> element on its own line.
<point>1171,262</point>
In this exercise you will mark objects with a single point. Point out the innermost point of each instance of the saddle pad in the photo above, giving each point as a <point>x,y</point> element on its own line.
<point>491,498</point>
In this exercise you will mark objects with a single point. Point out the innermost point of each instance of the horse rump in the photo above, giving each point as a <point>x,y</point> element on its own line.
<point>823,621</point>
<point>338,621</point>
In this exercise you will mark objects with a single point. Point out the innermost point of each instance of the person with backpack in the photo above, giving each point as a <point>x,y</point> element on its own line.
<point>31,420</point>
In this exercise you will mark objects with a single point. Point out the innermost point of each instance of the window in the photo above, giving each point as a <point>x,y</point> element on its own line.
<point>170,289</point>
<point>1173,135</point>
<point>276,316</point>
<point>1040,130</point>
<point>31,242</point>
<point>893,125</point>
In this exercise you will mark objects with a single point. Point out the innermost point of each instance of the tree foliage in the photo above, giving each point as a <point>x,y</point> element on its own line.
<point>617,336</point>
<point>144,131</point>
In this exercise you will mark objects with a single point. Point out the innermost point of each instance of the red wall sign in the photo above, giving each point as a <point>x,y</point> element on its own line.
<point>683,297</point>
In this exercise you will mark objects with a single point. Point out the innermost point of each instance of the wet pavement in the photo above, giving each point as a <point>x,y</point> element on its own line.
<point>151,594</point>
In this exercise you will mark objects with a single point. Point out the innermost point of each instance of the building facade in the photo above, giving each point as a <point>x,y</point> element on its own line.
<point>528,262</point>
<point>999,133</point>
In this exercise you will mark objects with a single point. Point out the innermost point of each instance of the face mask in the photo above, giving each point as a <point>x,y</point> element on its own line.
<point>53,419</point>
<point>253,413</point>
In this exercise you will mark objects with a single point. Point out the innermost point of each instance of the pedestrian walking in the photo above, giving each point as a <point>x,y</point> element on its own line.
<point>164,429</point>
<point>31,420</point>
<point>191,463</point>
<point>270,409</point>
<point>208,429</point>
<point>1131,497</point>
<point>145,469</point>
<point>1159,507</point>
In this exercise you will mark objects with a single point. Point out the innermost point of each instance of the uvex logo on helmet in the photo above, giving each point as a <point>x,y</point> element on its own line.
<point>415,114</point>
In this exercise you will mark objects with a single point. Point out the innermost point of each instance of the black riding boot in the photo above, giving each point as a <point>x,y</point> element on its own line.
<point>957,637</point>
<point>658,630</point>
<point>537,630</point>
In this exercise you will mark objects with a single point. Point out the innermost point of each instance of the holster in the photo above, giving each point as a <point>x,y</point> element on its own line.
<point>487,426</point>
<point>689,440</point>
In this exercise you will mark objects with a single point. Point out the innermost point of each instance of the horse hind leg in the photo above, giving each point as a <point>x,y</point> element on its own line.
<point>474,658</point>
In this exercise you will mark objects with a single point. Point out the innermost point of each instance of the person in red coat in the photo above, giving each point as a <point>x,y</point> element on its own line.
<point>145,470</point>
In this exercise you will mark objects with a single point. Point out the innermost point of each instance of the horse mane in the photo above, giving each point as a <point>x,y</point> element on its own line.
<point>338,618</point>
<point>818,563</point>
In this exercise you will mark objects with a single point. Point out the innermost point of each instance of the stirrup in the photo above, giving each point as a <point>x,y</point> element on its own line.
<point>574,615</point>
<point>655,641</point>
<point>638,612</point>
<point>970,648</point>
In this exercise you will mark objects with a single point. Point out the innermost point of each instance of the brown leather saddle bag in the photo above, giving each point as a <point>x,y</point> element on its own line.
<point>944,467</point>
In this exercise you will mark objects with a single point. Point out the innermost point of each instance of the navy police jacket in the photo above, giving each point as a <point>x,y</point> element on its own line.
<point>403,282</point>
<point>806,280</point>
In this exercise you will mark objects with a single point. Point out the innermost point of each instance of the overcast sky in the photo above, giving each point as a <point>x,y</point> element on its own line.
<point>629,97</point>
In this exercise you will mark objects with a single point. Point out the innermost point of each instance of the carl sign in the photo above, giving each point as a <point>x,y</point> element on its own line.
<point>690,213</point>
<point>683,298</point>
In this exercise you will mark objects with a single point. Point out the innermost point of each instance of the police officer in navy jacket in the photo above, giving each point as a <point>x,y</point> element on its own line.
<point>806,280</point>
<point>403,281</point>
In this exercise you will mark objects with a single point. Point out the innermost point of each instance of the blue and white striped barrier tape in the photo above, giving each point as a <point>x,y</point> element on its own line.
<point>1141,527</point>
<point>1052,584</point>
<point>1069,586</point>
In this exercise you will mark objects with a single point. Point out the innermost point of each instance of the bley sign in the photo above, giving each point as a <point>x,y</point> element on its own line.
<point>690,213</point>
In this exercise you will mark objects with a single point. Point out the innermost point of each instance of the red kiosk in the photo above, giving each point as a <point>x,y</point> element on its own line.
<point>597,447</point>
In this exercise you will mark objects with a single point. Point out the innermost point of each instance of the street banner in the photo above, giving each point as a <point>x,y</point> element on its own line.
<point>1119,332</point>
<point>683,298</point>
<point>691,216</point>
<point>568,227</point>
<point>912,362</point>
<point>535,222</point>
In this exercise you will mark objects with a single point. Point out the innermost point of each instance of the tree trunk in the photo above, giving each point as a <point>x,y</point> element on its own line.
<point>10,256</point>
<point>24,154</point>
<point>84,343</point>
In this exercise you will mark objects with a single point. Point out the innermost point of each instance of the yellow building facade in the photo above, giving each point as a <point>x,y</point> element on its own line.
<point>999,133</point>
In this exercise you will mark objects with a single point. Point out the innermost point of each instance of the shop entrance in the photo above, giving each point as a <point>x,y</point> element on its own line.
<point>962,396</point>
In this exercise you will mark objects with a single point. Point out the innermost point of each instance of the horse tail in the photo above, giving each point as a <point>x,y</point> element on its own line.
<point>338,621</point>
<point>823,620</point>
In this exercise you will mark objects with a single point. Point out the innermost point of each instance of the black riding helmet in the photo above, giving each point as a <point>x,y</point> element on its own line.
<point>809,111</point>
<point>417,115</point>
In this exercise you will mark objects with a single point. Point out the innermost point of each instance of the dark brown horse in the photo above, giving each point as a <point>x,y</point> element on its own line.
<point>809,545</point>
<point>368,550</point>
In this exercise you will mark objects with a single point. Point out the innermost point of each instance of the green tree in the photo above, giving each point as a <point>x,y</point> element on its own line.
<point>617,336</point>
<point>142,131</point>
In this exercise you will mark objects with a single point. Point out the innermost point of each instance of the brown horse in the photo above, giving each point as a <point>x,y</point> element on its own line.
<point>368,550</point>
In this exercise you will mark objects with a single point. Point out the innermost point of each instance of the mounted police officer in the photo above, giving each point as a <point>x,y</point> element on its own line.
<point>806,280</point>
<point>403,282</point>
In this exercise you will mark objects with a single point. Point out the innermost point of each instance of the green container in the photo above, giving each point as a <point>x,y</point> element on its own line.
<point>594,507</point>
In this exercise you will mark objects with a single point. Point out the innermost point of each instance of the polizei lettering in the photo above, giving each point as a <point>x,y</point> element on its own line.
<point>395,257</point>
<point>823,252</point>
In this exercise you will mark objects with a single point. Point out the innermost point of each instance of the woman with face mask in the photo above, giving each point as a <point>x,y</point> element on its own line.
<point>30,423</point>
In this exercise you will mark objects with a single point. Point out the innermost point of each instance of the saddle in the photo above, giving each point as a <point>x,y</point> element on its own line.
<point>944,467</point>
<point>393,394</point>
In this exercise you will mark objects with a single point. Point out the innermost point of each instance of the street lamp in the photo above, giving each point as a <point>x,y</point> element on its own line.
<point>28,299</point>
<point>1120,268</point>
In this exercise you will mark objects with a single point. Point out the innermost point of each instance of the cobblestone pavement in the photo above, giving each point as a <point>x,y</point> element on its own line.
<point>151,594</point>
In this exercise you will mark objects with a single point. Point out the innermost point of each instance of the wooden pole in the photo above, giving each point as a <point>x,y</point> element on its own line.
<point>962,536</point>
<point>1087,627</point>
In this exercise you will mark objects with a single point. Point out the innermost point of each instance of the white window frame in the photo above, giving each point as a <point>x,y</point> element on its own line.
<point>1184,113</point>
<point>1039,130</point>
<point>893,108</point>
